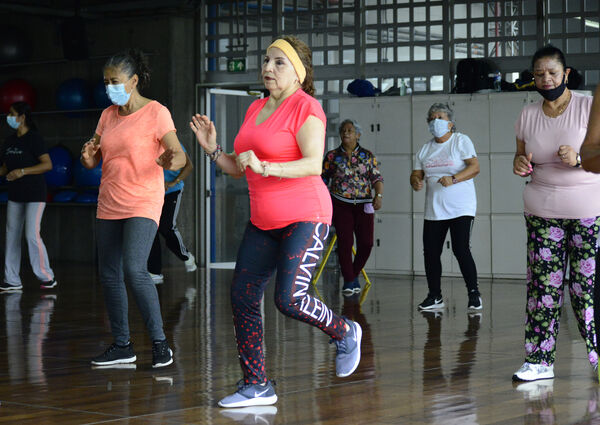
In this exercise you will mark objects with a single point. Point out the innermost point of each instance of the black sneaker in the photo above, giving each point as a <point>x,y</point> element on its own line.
<point>115,354</point>
<point>162,355</point>
<point>49,285</point>
<point>8,287</point>
<point>475,301</point>
<point>432,303</point>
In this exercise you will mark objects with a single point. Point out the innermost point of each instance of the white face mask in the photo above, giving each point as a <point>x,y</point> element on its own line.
<point>439,127</point>
<point>117,94</point>
<point>12,121</point>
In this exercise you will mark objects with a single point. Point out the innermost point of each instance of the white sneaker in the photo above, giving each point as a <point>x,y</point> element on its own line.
<point>533,372</point>
<point>157,278</point>
<point>190,263</point>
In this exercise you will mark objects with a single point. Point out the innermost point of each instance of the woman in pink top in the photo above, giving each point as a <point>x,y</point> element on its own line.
<point>135,139</point>
<point>562,212</point>
<point>279,150</point>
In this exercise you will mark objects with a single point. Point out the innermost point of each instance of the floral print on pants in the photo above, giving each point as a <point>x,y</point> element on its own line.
<point>550,242</point>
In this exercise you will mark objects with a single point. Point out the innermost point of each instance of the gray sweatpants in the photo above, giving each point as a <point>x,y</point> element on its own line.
<point>123,247</point>
<point>28,214</point>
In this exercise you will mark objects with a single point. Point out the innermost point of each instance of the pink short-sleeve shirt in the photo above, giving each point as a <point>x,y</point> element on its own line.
<point>274,202</point>
<point>557,190</point>
<point>132,183</point>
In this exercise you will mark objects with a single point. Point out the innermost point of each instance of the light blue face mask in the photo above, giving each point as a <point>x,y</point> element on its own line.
<point>438,127</point>
<point>117,94</point>
<point>12,121</point>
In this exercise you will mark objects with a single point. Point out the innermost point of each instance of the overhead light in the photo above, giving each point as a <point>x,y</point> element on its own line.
<point>589,23</point>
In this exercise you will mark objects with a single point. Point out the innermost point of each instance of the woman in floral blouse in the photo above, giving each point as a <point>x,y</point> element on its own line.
<point>356,187</point>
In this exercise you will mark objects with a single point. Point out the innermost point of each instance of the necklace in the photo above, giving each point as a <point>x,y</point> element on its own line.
<point>561,108</point>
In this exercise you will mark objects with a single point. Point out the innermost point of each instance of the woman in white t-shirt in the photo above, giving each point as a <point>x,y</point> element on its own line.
<point>447,164</point>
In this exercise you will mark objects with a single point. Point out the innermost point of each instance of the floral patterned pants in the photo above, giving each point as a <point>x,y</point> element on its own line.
<point>550,242</point>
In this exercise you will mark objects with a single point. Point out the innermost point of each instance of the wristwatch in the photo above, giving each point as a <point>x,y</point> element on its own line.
<point>578,164</point>
<point>454,180</point>
<point>379,195</point>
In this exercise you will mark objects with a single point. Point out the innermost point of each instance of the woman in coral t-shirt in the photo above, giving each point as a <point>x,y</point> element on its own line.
<point>279,149</point>
<point>135,139</point>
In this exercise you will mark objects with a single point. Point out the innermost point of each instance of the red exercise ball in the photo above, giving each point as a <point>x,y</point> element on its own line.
<point>16,91</point>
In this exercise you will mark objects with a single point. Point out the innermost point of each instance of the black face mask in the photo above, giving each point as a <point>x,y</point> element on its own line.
<point>554,93</point>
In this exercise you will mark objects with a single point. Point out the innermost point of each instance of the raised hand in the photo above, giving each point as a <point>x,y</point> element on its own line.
<point>205,132</point>
<point>89,149</point>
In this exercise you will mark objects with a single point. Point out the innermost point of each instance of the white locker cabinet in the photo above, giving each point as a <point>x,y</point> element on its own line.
<point>480,246</point>
<point>505,108</point>
<point>396,178</point>
<point>506,187</point>
<point>392,125</point>
<point>385,121</point>
<point>393,242</point>
<point>483,185</point>
<point>472,116</point>
<point>509,239</point>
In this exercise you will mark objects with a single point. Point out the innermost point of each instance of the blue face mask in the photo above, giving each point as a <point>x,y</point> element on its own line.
<point>12,121</point>
<point>117,94</point>
<point>438,127</point>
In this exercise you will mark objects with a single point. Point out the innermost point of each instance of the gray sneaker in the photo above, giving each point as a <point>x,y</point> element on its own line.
<point>348,350</point>
<point>251,395</point>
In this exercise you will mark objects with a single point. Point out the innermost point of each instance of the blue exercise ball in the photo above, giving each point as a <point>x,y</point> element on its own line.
<point>101,99</point>
<point>3,196</point>
<point>87,197</point>
<point>64,196</point>
<point>85,177</point>
<point>73,94</point>
<point>62,167</point>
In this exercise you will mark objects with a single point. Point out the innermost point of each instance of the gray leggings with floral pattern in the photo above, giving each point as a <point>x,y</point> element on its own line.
<point>550,242</point>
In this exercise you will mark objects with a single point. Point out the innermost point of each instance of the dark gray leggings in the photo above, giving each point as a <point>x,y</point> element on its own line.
<point>123,247</point>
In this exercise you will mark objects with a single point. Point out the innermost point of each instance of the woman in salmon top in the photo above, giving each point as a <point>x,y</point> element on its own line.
<point>135,139</point>
<point>279,149</point>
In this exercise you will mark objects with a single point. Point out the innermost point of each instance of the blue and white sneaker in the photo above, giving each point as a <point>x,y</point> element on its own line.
<point>348,350</point>
<point>251,395</point>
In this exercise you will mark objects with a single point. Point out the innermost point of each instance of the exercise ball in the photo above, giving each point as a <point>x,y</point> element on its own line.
<point>15,46</point>
<point>87,197</point>
<point>101,99</point>
<point>64,196</point>
<point>62,167</point>
<point>3,196</point>
<point>73,94</point>
<point>85,177</point>
<point>16,91</point>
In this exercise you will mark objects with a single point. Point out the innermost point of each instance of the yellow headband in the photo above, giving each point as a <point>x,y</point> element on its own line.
<point>292,55</point>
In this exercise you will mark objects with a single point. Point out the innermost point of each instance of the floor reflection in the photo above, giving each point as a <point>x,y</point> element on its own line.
<point>255,415</point>
<point>27,362</point>
<point>448,398</point>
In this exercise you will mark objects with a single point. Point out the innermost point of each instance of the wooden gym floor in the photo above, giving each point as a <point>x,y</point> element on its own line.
<point>446,368</point>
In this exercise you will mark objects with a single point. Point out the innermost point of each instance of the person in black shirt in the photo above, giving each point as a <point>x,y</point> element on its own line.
<point>24,160</point>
